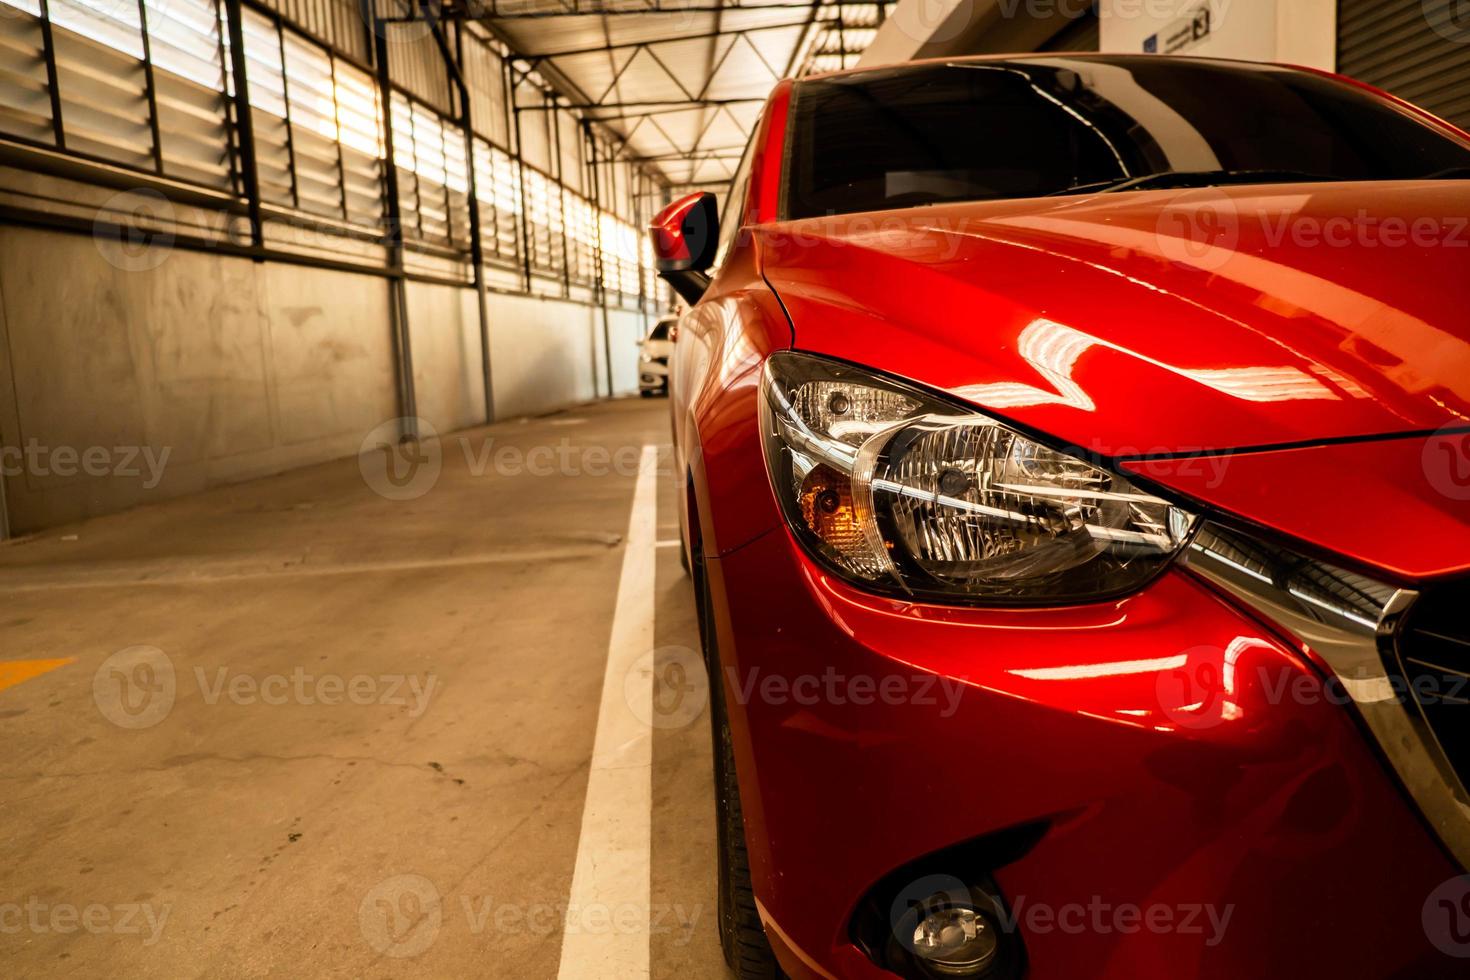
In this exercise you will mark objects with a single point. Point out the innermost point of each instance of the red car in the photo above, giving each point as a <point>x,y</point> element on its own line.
<point>1078,496</point>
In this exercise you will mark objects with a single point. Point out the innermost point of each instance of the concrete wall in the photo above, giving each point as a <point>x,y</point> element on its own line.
<point>541,353</point>
<point>1306,33</point>
<point>625,329</point>
<point>130,376</point>
<point>546,353</point>
<point>449,381</point>
<point>936,28</point>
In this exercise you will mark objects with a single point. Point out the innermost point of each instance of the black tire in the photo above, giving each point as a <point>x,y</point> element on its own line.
<point>742,938</point>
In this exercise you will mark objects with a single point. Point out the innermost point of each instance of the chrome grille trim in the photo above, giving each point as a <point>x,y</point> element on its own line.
<point>1352,623</point>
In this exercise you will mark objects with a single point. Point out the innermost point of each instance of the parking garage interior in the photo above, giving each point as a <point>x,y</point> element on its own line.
<point>344,628</point>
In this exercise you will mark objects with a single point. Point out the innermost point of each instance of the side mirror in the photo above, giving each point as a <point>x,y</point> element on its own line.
<point>686,235</point>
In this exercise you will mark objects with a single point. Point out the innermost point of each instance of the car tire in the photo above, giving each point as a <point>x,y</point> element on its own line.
<point>742,937</point>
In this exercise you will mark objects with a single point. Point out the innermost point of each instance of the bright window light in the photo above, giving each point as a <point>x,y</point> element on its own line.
<point>116,25</point>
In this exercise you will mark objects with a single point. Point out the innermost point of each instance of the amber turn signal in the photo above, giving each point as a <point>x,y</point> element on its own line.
<point>827,509</point>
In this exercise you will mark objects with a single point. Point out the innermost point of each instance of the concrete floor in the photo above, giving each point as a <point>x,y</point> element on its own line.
<point>300,729</point>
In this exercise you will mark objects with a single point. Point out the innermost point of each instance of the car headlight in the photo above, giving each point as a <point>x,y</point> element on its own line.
<point>901,490</point>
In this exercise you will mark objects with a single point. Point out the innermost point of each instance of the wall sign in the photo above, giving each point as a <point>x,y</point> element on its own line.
<point>1184,33</point>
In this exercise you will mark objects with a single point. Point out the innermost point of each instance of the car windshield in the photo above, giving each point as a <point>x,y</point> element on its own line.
<point>982,130</point>
<point>660,330</point>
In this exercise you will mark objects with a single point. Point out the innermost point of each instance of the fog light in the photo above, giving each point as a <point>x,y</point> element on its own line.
<point>955,942</point>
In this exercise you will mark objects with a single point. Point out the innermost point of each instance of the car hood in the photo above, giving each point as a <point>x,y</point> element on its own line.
<point>1156,322</point>
<point>1401,505</point>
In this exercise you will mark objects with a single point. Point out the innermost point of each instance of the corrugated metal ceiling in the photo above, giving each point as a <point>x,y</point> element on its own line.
<point>680,82</point>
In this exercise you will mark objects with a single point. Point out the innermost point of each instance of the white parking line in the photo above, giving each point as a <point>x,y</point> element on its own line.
<point>611,881</point>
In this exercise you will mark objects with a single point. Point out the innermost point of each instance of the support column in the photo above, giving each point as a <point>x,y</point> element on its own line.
<point>513,99</point>
<point>398,296</point>
<point>477,248</point>
<point>244,120</point>
<point>601,292</point>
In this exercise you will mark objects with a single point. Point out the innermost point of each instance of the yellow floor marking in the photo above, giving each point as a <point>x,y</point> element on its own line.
<point>12,672</point>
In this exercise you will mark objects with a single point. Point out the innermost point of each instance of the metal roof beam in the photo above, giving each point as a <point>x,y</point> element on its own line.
<point>707,8</point>
<point>628,116</point>
<point>805,40</point>
<point>616,76</point>
<point>671,105</point>
<point>711,35</point>
<point>672,77</point>
<point>701,155</point>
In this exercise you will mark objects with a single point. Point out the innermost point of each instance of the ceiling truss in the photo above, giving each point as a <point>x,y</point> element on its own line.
<point>677,83</point>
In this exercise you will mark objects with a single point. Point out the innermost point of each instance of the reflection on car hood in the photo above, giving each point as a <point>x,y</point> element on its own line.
<point>1152,322</point>
<point>1400,504</point>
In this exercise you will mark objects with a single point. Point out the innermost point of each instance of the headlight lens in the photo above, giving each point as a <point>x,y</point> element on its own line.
<point>898,489</point>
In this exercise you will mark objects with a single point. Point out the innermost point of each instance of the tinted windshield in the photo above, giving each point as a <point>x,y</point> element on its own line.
<point>1027,127</point>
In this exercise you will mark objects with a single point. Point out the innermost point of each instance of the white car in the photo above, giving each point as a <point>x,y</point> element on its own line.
<point>653,358</point>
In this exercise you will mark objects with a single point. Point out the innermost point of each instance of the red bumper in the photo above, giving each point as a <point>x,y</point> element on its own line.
<point>1264,840</point>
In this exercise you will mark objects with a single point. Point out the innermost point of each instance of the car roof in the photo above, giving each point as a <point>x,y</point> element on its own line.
<point>1105,57</point>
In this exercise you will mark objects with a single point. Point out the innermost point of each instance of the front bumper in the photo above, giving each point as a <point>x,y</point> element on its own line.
<point>653,375</point>
<point>1269,842</point>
